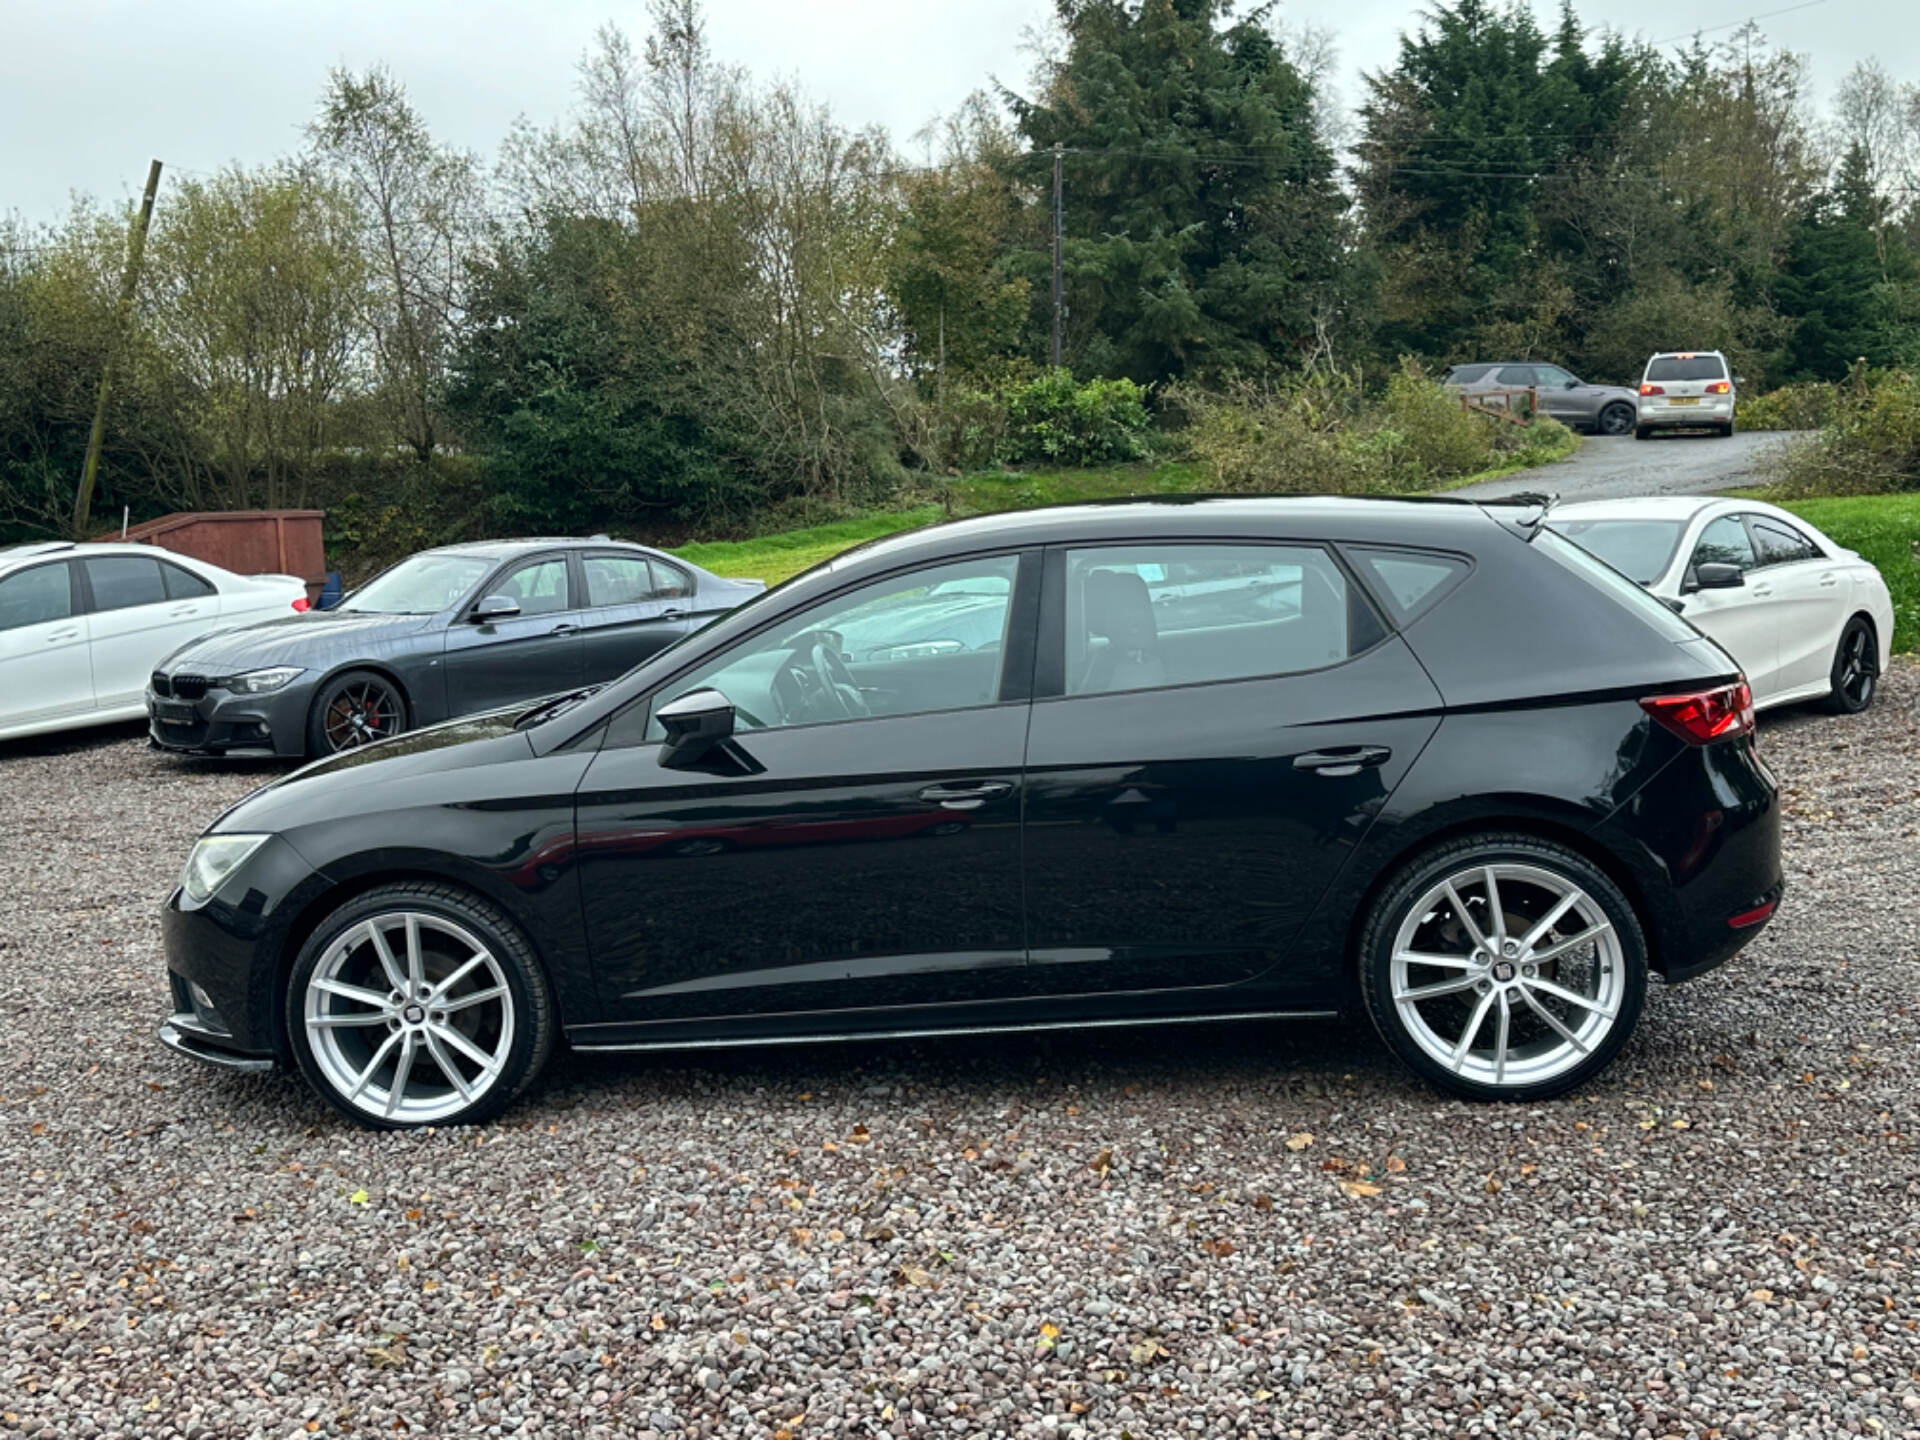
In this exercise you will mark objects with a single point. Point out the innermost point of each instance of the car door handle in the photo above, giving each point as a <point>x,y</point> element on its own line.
<point>1829,580</point>
<point>564,630</point>
<point>1346,760</point>
<point>1762,591</point>
<point>673,614</point>
<point>181,612</point>
<point>57,636</point>
<point>966,797</point>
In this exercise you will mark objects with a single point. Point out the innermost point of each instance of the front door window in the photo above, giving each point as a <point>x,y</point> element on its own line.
<point>931,640</point>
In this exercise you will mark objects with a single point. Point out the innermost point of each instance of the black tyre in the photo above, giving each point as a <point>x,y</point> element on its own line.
<point>1642,432</point>
<point>1615,420</point>
<point>419,1004</point>
<point>1503,967</point>
<point>1855,676</point>
<point>1726,431</point>
<point>355,708</point>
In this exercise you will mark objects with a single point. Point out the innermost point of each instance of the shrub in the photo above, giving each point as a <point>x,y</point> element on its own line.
<point>1053,420</point>
<point>1806,406</point>
<point>1870,445</point>
<point>1323,433</point>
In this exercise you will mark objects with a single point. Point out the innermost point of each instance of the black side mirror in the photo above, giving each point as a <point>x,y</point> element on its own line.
<point>695,723</point>
<point>1715,575</point>
<point>492,608</point>
<point>1573,384</point>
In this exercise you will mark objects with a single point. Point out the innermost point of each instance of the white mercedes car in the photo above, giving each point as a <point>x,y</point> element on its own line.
<point>1805,619</point>
<point>81,626</point>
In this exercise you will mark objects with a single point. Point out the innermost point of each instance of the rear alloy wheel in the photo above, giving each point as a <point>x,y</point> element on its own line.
<point>1856,668</point>
<point>418,1005</point>
<point>1616,420</point>
<point>353,710</point>
<point>1504,967</point>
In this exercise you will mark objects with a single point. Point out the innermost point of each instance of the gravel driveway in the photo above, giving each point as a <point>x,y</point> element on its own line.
<point>1613,467</point>
<point>1260,1230</point>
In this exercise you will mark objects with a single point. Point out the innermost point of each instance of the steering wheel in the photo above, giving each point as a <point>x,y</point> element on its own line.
<point>837,682</point>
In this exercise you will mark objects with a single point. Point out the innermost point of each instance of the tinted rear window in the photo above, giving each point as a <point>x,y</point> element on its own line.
<point>1604,578</point>
<point>1466,374</point>
<point>1410,580</point>
<point>1639,549</point>
<point>1687,367</point>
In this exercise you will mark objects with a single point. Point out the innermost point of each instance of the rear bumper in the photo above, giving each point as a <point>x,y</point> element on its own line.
<point>1703,836</point>
<point>1659,414</point>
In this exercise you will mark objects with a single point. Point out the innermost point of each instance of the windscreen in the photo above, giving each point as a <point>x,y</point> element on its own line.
<point>1639,549</point>
<point>1687,367</point>
<point>422,585</point>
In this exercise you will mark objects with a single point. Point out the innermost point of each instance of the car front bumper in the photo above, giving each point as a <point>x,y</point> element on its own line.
<point>1712,410</point>
<point>223,960</point>
<point>218,722</point>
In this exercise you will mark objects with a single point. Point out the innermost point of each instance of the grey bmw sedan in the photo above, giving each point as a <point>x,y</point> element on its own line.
<point>444,633</point>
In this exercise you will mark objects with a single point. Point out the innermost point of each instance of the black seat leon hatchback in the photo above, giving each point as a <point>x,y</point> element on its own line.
<point>1099,765</point>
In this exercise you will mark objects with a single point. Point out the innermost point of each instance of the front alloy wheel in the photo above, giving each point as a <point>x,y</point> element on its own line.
<point>1504,967</point>
<point>417,1005</point>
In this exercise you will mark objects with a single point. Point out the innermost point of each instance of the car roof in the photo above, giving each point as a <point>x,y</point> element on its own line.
<point>1419,520</point>
<point>13,556</point>
<point>508,548</point>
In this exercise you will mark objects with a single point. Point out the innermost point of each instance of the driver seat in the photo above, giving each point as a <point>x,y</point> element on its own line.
<point>1119,610</point>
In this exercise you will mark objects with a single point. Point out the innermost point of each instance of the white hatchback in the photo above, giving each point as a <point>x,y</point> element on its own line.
<point>81,626</point>
<point>1804,618</point>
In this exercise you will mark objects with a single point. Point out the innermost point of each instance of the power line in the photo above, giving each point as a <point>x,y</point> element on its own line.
<point>1736,24</point>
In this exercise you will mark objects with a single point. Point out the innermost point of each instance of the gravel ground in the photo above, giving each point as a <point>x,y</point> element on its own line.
<point>1608,467</point>
<point>1261,1230</point>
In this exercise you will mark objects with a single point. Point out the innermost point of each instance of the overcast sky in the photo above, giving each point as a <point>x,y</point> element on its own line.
<point>91,89</point>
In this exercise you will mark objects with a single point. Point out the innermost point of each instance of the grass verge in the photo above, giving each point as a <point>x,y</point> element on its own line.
<point>1884,529</point>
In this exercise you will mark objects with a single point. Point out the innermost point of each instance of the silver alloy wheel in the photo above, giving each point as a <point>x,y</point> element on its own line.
<point>414,1033</point>
<point>1507,974</point>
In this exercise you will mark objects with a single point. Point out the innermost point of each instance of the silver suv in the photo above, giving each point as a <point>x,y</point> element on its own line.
<point>1686,390</point>
<point>1608,409</point>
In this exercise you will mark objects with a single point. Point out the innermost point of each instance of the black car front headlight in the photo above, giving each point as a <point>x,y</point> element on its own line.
<point>213,859</point>
<point>259,682</point>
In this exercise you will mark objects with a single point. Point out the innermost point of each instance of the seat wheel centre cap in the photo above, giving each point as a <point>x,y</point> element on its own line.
<point>1503,972</point>
<point>413,1014</point>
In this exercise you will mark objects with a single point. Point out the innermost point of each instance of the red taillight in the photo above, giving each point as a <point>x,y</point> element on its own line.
<point>1747,919</point>
<point>1703,716</point>
<point>1719,387</point>
<point>303,605</point>
<point>1652,390</point>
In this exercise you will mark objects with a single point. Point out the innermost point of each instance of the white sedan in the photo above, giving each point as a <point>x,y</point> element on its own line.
<point>1804,618</point>
<point>81,626</point>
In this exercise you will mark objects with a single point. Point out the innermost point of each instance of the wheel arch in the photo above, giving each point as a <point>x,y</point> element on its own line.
<point>1542,823</point>
<point>381,668</point>
<point>313,909</point>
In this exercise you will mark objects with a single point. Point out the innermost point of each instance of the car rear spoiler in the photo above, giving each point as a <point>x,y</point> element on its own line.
<point>1523,513</point>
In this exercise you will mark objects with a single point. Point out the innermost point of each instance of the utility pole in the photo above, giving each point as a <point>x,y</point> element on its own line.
<point>136,246</point>
<point>1059,293</point>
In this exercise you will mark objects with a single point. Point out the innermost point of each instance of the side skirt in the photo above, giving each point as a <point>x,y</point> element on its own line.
<point>935,1032</point>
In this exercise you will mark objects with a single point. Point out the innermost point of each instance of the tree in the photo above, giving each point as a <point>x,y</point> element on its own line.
<point>421,203</point>
<point>258,292</point>
<point>1203,224</point>
<point>1845,280</point>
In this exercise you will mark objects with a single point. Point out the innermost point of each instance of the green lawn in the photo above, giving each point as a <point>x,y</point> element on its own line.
<point>1883,528</point>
